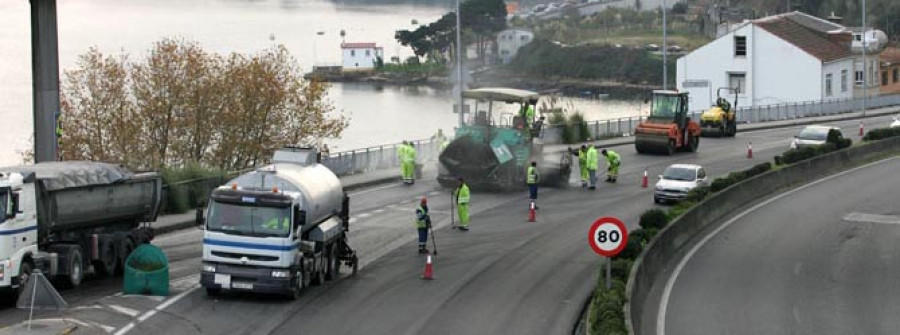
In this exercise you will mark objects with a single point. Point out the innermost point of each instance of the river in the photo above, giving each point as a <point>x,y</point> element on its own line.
<point>378,114</point>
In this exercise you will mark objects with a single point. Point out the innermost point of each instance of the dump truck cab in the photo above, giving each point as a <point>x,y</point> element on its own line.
<point>668,128</point>
<point>493,148</point>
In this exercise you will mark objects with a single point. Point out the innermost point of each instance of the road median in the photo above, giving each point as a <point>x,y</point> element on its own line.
<point>663,252</point>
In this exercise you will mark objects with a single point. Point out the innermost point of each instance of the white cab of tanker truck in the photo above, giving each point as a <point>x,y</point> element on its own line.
<point>277,229</point>
<point>71,218</point>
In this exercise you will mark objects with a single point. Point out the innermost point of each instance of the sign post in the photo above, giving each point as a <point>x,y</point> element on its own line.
<point>608,237</point>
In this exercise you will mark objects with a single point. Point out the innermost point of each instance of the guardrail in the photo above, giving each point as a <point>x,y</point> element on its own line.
<point>662,254</point>
<point>374,158</point>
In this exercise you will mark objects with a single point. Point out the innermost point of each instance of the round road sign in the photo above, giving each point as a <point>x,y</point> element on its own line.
<point>608,236</point>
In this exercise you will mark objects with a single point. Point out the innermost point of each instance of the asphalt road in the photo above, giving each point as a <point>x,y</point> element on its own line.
<point>821,260</point>
<point>506,276</point>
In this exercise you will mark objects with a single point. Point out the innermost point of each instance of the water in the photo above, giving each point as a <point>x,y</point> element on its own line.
<point>378,114</point>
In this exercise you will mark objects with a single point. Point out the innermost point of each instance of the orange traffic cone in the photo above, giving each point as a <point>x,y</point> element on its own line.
<point>861,129</point>
<point>532,213</point>
<point>428,274</point>
<point>749,150</point>
<point>644,180</point>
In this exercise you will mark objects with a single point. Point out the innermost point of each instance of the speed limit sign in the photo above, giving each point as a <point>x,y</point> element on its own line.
<point>608,236</point>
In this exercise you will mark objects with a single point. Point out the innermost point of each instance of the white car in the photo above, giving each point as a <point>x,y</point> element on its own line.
<point>896,123</point>
<point>677,180</point>
<point>812,135</point>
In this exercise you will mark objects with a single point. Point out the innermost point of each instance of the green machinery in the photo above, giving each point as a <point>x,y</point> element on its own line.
<point>493,150</point>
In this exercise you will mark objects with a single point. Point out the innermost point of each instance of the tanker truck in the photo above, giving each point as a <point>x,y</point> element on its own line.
<point>277,229</point>
<point>68,218</point>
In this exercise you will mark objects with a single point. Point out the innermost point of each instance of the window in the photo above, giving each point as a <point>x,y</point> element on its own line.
<point>523,38</point>
<point>896,75</point>
<point>368,53</point>
<point>504,52</point>
<point>737,80</point>
<point>884,78</point>
<point>701,173</point>
<point>857,37</point>
<point>828,85</point>
<point>740,45</point>
<point>843,80</point>
<point>352,53</point>
<point>858,79</point>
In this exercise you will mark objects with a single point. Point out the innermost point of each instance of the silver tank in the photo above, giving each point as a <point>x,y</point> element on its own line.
<point>321,193</point>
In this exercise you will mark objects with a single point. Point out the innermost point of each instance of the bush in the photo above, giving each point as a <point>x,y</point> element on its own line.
<point>795,155</point>
<point>606,315</point>
<point>576,121</point>
<point>188,186</point>
<point>881,133</point>
<point>698,194</point>
<point>654,218</point>
<point>720,184</point>
<point>632,249</point>
<point>621,268</point>
<point>649,234</point>
<point>680,208</point>
<point>758,169</point>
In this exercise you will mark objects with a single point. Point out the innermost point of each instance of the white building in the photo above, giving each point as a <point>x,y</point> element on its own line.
<point>792,57</point>
<point>360,56</point>
<point>510,40</point>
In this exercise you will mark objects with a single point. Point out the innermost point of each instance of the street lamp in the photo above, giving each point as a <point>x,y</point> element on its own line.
<point>865,62</point>
<point>664,48</point>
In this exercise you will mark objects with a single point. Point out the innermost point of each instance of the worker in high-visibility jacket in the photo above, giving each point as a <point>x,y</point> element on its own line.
<point>423,222</point>
<point>532,178</point>
<point>462,204</point>
<point>402,152</point>
<point>410,163</point>
<point>582,165</point>
<point>593,160</point>
<point>612,165</point>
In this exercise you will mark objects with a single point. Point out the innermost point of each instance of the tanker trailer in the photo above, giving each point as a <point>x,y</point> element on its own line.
<point>66,218</point>
<point>277,229</point>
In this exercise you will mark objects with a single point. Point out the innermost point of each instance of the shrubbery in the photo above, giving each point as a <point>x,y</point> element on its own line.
<point>654,218</point>
<point>881,133</point>
<point>189,186</point>
<point>574,129</point>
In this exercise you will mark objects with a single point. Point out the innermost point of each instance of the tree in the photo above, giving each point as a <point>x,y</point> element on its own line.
<point>480,18</point>
<point>183,105</point>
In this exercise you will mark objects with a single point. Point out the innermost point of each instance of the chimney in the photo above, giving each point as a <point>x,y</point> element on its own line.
<point>835,19</point>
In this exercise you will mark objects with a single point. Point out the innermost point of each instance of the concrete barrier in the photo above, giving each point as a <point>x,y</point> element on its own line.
<point>663,253</point>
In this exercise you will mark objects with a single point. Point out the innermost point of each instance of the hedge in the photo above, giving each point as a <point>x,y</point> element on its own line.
<point>188,186</point>
<point>654,218</point>
<point>881,133</point>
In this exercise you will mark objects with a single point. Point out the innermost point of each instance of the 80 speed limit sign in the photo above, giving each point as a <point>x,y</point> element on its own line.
<point>608,236</point>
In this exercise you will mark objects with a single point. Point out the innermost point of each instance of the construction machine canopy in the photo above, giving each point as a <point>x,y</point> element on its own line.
<point>509,95</point>
<point>667,104</point>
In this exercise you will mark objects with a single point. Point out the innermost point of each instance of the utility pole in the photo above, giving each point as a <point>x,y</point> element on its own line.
<point>459,69</point>
<point>865,62</point>
<point>45,79</point>
<point>664,48</point>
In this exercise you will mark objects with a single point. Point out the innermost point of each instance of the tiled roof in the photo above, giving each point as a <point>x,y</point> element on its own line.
<point>809,34</point>
<point>358,46</point>
<point>891,55</point>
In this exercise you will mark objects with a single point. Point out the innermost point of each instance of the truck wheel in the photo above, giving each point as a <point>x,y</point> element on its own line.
<point>334,263</point>
<point>76,268</point>
<point>24,274</point>
<point>125,251</point>
<point>318,277</point>
<point>106,265</point>
<point>296,286</point>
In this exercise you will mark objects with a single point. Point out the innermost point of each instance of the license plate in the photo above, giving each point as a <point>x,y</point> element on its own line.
<point>223,280</point>
<point>243,286</point>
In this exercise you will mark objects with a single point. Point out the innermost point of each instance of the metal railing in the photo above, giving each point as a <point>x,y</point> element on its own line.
<point>373,158</point>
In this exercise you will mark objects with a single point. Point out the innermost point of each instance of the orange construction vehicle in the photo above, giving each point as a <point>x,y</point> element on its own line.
<point>668,128</point>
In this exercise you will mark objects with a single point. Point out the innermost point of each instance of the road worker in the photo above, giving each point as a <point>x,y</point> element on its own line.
<point>462,205</point>
<point>582,165</point>
<point>411,163</point>
<point>532,178</point>
<point>612,165</point>
<point>423,222</point>
<point>592,163</point>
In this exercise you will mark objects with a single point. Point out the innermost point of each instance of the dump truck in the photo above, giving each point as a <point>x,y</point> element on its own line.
<point>277,229</point>
<point>668,128</point>
<point>68,218</point>
<point>721,119</point>
<point>493,151</point>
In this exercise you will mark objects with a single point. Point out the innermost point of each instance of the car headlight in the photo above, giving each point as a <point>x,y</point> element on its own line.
<point>207,267</point>
<point>281,273</point>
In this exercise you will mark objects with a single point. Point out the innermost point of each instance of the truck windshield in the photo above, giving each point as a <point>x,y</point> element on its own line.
<point>664,106</point>
<point>249,220</point>
<point>4,204</point>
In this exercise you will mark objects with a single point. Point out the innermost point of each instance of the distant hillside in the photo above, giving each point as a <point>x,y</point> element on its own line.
<point>882,14</point>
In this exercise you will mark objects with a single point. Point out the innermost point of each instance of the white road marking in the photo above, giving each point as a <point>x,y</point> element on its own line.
<point>364,215</point>
<point>378,211</point>
<point>353,219</point>
<point>374,190</point>
<point>158,308</point>
<point>174,236</point>
<point>872,218</point>
<point>667,292</point>
<point>124,310</point>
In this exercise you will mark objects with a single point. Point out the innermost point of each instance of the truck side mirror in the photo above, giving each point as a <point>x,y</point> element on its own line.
<point>198,218</point>
<point>299,217</point>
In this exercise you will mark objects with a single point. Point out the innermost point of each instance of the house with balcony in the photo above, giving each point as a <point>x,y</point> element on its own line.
<point>786,58</point>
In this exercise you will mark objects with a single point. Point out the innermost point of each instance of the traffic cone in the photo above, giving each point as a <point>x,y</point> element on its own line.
<point>861,129</point>
<point>532,213</point>
<point>428,274</point>
<point>644,180</point>
<point>749,150</point>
